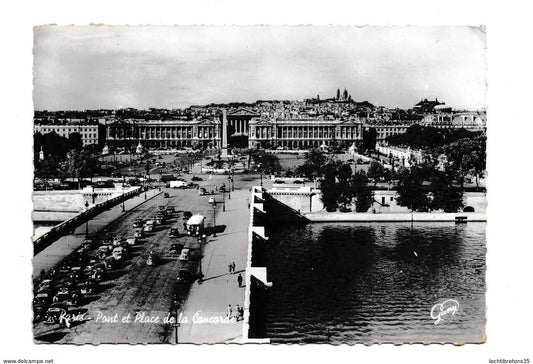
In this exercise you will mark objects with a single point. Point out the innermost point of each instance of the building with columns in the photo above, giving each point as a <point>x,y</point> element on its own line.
<point>304,133</point>
<point>239,120</point>
<point>164,133</point>
<point>472,121</point>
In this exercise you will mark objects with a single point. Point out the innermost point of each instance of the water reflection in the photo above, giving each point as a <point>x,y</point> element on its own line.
<point>374,282</point>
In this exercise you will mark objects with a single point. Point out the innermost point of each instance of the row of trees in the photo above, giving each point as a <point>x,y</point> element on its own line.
<point>436,183</point>
<point>426,137</point>
<point>63,157</point>
<point>338,184</point>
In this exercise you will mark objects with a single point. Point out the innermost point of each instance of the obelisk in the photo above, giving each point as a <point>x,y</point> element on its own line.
<point>224,149</point>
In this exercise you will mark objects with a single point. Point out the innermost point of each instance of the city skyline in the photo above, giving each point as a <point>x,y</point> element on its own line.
<point>113,67</point>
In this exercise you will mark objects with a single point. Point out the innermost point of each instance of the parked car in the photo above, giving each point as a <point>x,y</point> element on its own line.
<point>88,243</point>
<point>149,225</point>
<point>174,233</point>
<point>118,253</point>
<point>138,223</point>
<point>170,209</point>
<point>175,249</point>
<point>132,240</point>
<point>185,254</point>
<point>187,215</point>
<point>138,233</point>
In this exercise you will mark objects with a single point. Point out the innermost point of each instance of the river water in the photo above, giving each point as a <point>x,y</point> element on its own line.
<point>352,283</point>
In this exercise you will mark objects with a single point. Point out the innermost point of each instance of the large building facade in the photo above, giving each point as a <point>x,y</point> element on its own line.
<point>90,133</point>
<point>304,133</point>
<point>164,134</point>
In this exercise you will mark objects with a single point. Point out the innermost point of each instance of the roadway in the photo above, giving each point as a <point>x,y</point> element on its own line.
<point>136,288</point>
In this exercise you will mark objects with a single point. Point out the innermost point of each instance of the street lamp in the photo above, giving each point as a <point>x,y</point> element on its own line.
<point>87,221</point>
<point>224,199</point>
<point>176,324</point>
<point>123,182</point>
<point>229,188</point>
<point>214,205</point>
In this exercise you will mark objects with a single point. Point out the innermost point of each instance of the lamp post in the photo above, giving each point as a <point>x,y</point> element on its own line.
<point>229,188</point>
<point>87,221</point>
<point>176,324</point>
<point>214,205</point>
<point>224,199</point>
<point>123,205</point>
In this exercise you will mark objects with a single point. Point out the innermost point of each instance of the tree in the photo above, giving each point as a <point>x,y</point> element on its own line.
<point>369,138</point>
<point>445,195</point>
<point>328,187</point>
<point>75,141</point>
<point>466,156</point>
<point>376,171</point>
<point>80,165</point>
<point>313,166</point>
<point>410,192</point>
<point>362,193</point>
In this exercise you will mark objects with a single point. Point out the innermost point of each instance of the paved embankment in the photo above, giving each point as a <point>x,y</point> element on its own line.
<point>323,216</point>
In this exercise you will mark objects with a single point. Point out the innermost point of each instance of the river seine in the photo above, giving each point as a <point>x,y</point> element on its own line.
<point>383,282</point>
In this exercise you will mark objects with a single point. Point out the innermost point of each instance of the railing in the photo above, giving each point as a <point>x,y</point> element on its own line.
<point>69,225</point>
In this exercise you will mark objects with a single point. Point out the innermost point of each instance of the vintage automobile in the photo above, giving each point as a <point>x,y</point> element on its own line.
<point>174,233</point>
<point>185,254</point>
<point>132,240</point>
<point>175,249</point>
<point>88,243</point>
<point>187,273</point>
<point>138,233</point>
<point>104,251</point>
<point>149,225</point>
<point>118,253</point>
<point>170,209</point>
<point>186,215</point>
<point>138,223</point>
<point>42,299</point>
<point>76,273</point>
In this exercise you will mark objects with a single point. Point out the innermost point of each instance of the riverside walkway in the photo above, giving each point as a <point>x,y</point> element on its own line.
<point>208,301</point>
<point>65,245</point>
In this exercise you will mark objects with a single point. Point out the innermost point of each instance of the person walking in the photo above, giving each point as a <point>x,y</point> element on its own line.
<point>233,267</point>
<point>241,313</point>
<point>237,313</point>
<point>239,280</point>
<point>229,311</point>
<point>229,268</point>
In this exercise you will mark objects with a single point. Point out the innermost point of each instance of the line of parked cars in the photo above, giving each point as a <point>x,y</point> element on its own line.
<point>75,281</point>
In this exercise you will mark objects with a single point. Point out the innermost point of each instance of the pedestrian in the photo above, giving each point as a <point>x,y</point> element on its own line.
<point>239,280</point>
<point>229,311</point>
<point>241,313</point>
<point>233,267</point>
<point>237,312</point>
<point>229,268</point>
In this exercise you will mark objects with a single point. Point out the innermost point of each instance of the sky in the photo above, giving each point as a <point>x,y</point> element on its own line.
<point>110,67</point>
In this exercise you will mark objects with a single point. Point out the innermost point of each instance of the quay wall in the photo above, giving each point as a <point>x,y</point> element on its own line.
<point>255,277</point>
<point>69,225</point>
<point>394,217</point>
<point>72,201</point>
<point>305,200</point>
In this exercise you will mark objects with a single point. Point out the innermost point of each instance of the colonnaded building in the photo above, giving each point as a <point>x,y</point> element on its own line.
<point>261,132</point>
<point>296,132</point>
